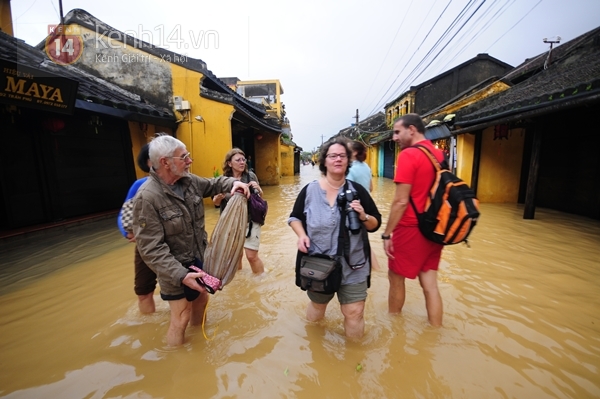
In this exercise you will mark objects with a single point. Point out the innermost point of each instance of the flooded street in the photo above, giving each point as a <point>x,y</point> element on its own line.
<point>521,319</point>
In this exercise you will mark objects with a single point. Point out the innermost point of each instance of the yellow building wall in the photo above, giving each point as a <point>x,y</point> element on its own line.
<point>373,159</point>
<point>488,91</point>
<point>396,109</point>
<point>500,167</point>
<point>268,159</point>
<point>142,133</point>
<point>465,150</point>
<point>6,17</point>
<point>210,139</point>
<point>287,160</point>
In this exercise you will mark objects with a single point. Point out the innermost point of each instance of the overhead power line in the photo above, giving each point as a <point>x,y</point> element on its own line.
<point>386,54</point>
<point>406,49</point>
<point>448,31</point>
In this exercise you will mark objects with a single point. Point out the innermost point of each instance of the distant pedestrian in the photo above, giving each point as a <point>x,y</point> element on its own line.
<point>360,172</point>
<point>249,163</point>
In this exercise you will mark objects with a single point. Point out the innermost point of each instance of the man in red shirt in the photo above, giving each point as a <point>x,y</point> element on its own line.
<point>409,253</point>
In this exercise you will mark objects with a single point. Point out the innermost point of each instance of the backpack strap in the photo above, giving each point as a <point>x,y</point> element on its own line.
<point>436,168</point>
<point>436,164</point>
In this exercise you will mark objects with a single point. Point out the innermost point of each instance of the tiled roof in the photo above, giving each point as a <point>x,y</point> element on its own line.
<point>373,123</point>
<point>536,64</point>
<point>571,79</point>
<point>477,58</point>
<point>93,93</point>
<point>381,136</point>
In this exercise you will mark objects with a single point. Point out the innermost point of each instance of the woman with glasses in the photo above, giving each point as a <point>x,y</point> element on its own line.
<point>317,221</point>
<point>235,166</point>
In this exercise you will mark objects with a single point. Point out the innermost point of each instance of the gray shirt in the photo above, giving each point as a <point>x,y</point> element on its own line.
<point>323,226</point>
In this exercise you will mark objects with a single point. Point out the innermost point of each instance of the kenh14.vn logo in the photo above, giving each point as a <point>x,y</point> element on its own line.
<point>64,44</point>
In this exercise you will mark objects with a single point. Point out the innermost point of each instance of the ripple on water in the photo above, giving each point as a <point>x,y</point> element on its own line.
<point>520,319</point>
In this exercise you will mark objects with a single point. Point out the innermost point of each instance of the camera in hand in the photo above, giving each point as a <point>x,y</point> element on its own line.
<point>344,199</point>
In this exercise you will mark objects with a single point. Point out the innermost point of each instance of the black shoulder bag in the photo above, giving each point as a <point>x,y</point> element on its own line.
<point>323,273</point>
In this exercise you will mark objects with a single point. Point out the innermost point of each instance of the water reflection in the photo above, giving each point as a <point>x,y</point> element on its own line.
<point>521,319</point>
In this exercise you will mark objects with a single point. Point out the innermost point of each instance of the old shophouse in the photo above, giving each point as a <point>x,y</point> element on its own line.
<point>433,93</point>
<point>67,139</point>
<point>76,113</point>
<point>210,117</point>
<point>268,94</point>
<point>531,141</point>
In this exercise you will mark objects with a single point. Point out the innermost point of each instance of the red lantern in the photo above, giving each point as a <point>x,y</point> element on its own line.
<point>54,124</point>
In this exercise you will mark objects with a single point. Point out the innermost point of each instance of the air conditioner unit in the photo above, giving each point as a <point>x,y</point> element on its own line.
<point>177,101</point>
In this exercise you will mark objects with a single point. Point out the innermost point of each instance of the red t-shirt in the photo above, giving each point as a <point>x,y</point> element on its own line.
<point>415,168</point>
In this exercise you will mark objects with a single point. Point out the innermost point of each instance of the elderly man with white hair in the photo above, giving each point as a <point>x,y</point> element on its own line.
<point>168,223</point>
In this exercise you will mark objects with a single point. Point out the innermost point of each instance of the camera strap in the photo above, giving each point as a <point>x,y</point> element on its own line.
<point>344,235</point>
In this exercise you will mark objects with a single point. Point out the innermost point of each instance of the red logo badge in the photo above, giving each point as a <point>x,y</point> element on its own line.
<point>64,44</point>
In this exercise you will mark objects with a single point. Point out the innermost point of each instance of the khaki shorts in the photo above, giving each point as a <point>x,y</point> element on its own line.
<point>253,241</point>
<point>346,294</point>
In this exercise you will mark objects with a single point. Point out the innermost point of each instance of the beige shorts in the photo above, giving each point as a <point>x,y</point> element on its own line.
<point>253,241</point>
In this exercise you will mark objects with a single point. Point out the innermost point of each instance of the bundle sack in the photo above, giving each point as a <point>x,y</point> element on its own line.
<point>451,211</point>
<point>320,273</point>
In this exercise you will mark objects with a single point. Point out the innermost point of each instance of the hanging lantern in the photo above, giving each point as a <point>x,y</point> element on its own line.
<point>501,132</point>
<point>54,124</point>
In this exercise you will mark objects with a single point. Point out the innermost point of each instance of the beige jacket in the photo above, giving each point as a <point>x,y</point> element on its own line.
<point>169,230</point>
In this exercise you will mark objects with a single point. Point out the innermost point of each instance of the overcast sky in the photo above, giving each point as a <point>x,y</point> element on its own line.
<point>332,57</point>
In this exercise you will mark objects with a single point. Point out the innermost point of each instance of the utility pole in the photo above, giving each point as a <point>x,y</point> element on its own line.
<point>62,18</point>
<point>356,118</point>
<point>322,139</point>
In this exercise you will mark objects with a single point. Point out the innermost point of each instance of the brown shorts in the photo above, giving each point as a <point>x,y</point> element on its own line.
<point>145,278</point>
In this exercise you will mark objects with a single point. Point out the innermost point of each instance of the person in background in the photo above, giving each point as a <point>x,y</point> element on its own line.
<point>360,172</point>
<point>235,166</point>
<point>409,253</point>
<point>144,282</point>
<point>169,227</point>
<point>316,220</point>
<point>249,164</point>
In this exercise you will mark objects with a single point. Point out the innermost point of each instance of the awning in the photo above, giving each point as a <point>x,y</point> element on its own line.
<point>437,132</point>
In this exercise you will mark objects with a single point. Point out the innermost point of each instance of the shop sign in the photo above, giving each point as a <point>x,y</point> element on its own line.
<point>32,88</point>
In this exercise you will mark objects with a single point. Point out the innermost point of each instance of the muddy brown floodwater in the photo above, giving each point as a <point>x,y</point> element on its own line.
<point>521,319</point>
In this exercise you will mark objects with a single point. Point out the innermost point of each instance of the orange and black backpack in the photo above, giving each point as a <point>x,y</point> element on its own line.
<point>451,210</point>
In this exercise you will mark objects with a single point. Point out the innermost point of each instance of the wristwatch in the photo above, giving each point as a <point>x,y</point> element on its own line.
<point>366,219</point>
<point>384,237</point>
